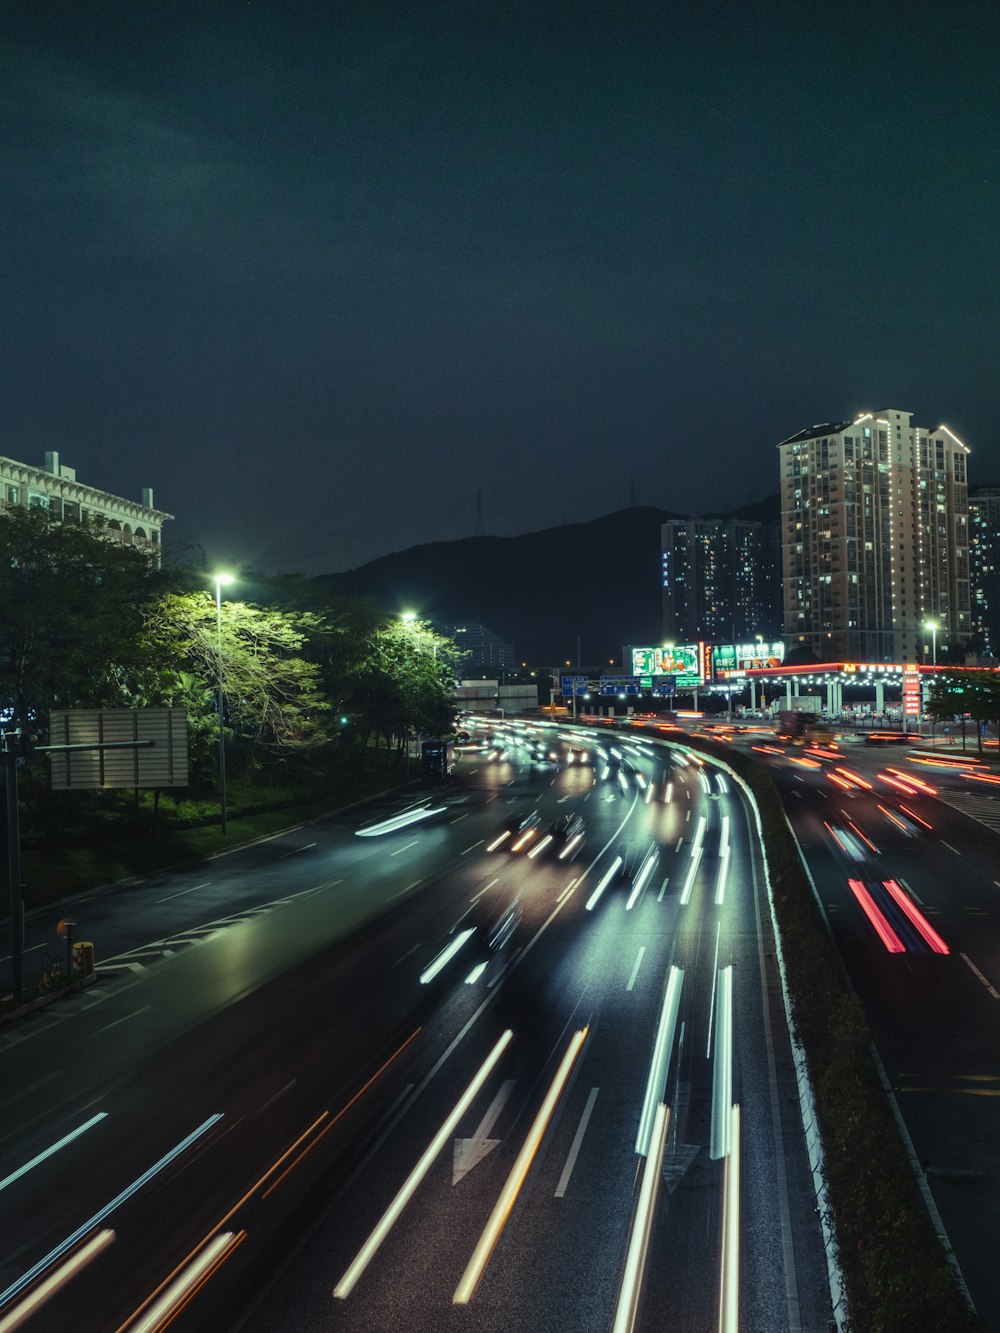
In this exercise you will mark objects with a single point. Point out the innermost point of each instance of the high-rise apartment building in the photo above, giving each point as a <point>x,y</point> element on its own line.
<point>984,560</point>
<point>875,538</point>
<point>718,580</point>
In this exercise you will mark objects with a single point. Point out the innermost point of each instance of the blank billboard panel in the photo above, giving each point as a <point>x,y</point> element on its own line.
<point>164,763</point>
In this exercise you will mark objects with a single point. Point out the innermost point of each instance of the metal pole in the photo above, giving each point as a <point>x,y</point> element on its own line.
<point>222,725</point>
<point>10,756</point>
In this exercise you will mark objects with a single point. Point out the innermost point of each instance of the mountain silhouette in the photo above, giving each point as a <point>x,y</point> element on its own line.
<point>539,591</point>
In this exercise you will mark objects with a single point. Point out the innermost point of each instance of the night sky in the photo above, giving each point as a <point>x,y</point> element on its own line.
<point>320,273</point>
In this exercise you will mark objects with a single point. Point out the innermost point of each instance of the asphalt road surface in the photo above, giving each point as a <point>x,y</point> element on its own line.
<point>416,1077</point>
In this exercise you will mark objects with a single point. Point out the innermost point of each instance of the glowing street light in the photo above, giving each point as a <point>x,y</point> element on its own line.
<point>221,580</point>
<point>933,626</point>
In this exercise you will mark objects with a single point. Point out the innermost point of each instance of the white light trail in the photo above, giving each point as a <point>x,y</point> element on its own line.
<point>66,1245</point>
<point>169,1305</point>
<point>16,1317</point>
<point>656,1080</point>
<point>668,795</point>
<point>609,876</point>
<point>497,841</point>
<point>647,869</point>
<point>729,1271</point>
<point>446,955</point>
<point>67,1138</point>
<point>491,1233</point>
<point>724,854</point>
<point>399,821</point>
<point>642,1227</point>
<point>722,1069</point>
<point>573,842</point>
<point>388,1219</point>
<point>541,846</point>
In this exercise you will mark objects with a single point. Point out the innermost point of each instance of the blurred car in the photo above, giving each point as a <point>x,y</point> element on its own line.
<point>567,833</point>
<point>516,831</point>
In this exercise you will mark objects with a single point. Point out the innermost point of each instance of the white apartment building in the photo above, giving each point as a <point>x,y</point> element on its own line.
<point>875,538</point>
<point>54,487</point>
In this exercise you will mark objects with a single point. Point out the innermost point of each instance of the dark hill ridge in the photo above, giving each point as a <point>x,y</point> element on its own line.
<point>599,580</point>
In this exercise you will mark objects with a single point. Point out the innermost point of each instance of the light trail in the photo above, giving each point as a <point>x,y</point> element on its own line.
<point>66,1245</point>
<point>874,914</point>
<point>642,1228</point>
<point>722,1068</point>
<point>656,1080</point>
<point>48,1152</point>
<point>915,916</point>
<point>652,857</point>
<point>608,877</point>
<point>446,955</point>
<point>729,1269</point>
<point>399,821</point>
<point>508,1195</point>
<point>56,1281</point>
<point>391,1215</point>
<point>187,1284</point>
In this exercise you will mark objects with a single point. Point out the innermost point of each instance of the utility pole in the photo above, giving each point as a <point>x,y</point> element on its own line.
<point>13,748</point>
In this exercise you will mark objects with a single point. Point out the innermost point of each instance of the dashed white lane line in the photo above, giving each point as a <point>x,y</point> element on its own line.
<point>577,1141</point>
<point>635,970</point>
<point>950,848</point>
<point>183,891</point>
<point>295,850</point>
<point>995,994</point>
<point>405,848</point>
<point>473,847</point>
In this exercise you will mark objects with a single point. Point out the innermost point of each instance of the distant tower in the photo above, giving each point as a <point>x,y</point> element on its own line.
<point>480,528</point>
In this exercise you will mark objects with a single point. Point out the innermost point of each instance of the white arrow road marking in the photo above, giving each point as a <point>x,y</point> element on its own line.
<point>470,1152</point>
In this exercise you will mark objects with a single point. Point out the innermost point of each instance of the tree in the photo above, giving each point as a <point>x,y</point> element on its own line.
<point>974,691</point>
<point>72,605</point>
<point>404,682</point>
<point>274,699</point>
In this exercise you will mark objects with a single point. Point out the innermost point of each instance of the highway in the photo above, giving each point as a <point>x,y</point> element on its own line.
<point>903,848</point>
<point>306,1093</point>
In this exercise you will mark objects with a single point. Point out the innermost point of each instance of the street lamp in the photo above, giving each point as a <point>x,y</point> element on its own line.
<point>933,626</point>
<point>221,580</point>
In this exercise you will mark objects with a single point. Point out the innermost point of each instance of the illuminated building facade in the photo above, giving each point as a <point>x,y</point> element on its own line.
<point>984,558</point>
<point>875,538</point>
<point>717,577</point>
<point>55,488</point>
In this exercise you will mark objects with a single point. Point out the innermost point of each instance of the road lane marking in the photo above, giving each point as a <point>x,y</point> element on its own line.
<point>574,1151</point>
<point>950,848</point>
<point>635,970</point>
<point>473,847</point>
<point>663,888</point>
<point>295,850</point>
<point>134,1014</point>
<point>388,1219</point>
<point>458,818</point>
<point>31,949</point>
<point>501,1211</point>
<point>405,848</point>
<point>470,1152</point>
<point>406,890</point>
<point>979,974</point>
<point>482,891</point>
<point>171,896</point>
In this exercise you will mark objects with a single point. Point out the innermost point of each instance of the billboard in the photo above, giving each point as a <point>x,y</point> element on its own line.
<point>746,657</point>
<point>681,660</point>
<point>147,748</point>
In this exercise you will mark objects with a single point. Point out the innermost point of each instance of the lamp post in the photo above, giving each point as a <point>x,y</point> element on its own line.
<point>409,618</point>
<point>220,581</point>
<point>933,626</point>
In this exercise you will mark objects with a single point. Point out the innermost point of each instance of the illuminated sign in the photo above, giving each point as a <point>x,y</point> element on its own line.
<point>746,656</point>
<point>681,660</point>
<point>911,692</point>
